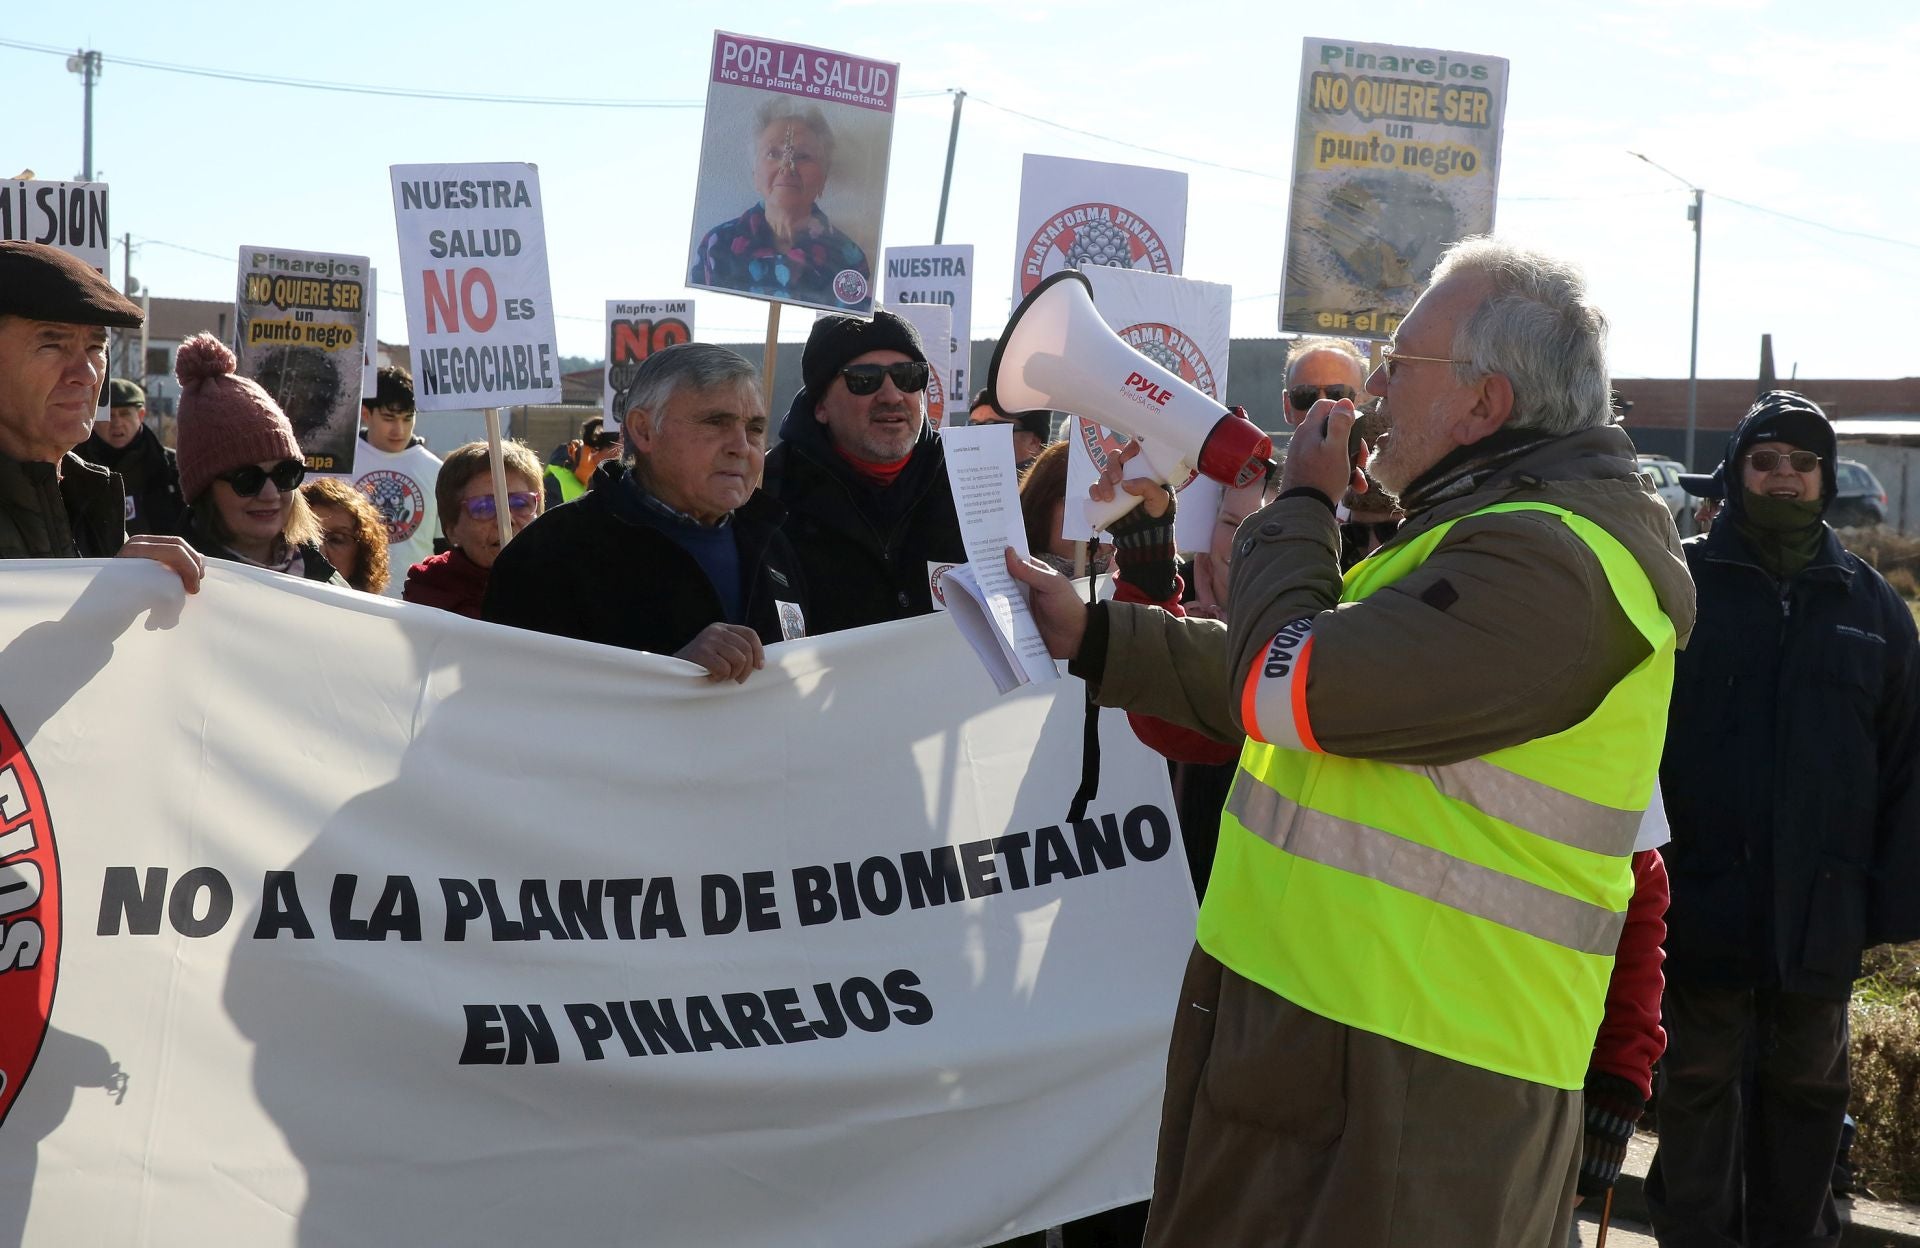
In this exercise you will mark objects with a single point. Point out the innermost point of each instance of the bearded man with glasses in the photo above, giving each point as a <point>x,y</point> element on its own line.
<point>863,476</point>
<point>1791,778</point>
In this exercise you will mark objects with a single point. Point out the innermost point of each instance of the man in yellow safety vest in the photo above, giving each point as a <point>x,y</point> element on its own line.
<point>1424,865</point>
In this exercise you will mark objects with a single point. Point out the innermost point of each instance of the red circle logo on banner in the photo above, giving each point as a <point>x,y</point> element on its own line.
<point>29,916</point>
<point>1091,234</point>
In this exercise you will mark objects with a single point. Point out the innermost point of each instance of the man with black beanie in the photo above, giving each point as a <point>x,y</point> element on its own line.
<point>863,476</point>
<point>1790,773</point>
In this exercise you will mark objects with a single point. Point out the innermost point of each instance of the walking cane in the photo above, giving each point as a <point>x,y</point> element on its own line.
<point>1606,1213</point>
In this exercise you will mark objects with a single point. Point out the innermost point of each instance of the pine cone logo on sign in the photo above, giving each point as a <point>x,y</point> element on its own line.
<point>1090,234</point>
<point>29,916</point>
<point>399,500</point>
<point>1171,350</point>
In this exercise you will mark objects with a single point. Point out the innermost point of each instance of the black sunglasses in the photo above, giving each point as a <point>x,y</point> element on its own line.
<point>1304,397</point>
<point>909,377</point>
<point>248,481</point>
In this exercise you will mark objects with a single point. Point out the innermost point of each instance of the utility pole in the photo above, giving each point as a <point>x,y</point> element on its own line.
<point>86,63</point>
<point>1694,213</point>
<point>130,286</point>
<point>946,183</point>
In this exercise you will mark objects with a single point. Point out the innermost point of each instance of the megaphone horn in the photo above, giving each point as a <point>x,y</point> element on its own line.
<point>1057,353</point>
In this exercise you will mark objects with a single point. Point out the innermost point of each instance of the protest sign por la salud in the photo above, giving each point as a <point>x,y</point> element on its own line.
<point>636,328</point>
<point>473,264</point>
<point>1075,214</point>
<point>934,323</point>
<point>1396,156</point>
<point>793,173</point>
<point>1184,326</point>
<point>368,942</point>
<point>300,328</point>
<point>939,274</point>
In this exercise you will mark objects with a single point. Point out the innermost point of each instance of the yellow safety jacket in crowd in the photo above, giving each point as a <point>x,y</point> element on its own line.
<point>570,486</point>
<point>1470,910</point>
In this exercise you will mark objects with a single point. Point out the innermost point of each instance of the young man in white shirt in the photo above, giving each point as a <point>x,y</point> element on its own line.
<point>396,470</point>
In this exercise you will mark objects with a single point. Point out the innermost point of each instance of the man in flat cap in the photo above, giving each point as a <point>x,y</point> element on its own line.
<point>54,315</point>
<point>863,476</point>
<point>1792,782</point>
<point>148,470</point>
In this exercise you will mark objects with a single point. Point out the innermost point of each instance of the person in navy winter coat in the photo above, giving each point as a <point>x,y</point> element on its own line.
<point>1791,788</point>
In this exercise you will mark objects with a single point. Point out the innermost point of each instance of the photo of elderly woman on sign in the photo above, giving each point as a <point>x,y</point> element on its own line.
<point>814,128</point>
<point>784,246</point>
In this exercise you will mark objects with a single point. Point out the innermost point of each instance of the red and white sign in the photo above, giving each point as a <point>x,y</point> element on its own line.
<point>1083,214</point>
<point>473,263</point>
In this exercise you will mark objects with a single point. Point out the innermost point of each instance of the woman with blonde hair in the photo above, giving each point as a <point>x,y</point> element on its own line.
<point>240,469</point>
<point>456,580</point>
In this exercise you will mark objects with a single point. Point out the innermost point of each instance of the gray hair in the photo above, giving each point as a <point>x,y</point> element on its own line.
<point>1538,329</point>
<point>1303,347</point>
<point>776,110</point>
<point>702,365</point>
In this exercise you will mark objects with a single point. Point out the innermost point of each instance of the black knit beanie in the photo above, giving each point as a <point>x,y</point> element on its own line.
<point>837,339</point>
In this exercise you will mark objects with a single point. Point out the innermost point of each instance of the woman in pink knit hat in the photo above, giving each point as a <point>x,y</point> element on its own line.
<point>240,469</point>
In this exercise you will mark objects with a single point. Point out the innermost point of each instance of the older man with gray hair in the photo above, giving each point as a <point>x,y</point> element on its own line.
<point>680,553</point>
<point>1423,869</point>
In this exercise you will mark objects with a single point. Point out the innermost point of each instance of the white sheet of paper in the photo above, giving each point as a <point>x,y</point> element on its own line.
<point>980,468</point>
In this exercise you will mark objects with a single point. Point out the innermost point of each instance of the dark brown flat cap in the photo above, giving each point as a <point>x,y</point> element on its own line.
<point>46,284</point>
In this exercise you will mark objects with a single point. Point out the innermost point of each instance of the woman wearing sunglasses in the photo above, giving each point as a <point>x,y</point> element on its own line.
<point>241,469</point>
<point>456,580</point>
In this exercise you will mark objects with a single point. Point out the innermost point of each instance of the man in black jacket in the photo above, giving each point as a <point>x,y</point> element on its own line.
<point>863,476</point>
<point>1791,788</point>
<point>54,315</point>
<point>679,554</point>
<point>123,445</point>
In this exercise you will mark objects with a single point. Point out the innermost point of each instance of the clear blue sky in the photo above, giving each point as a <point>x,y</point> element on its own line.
<point>1784,107</point>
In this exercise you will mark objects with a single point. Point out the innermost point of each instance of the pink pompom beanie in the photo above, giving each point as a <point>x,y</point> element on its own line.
<point>226,421</point>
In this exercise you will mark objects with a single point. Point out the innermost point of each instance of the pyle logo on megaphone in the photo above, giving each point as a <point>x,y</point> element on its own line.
<point>1146,387</point>
<point>1058,354</point>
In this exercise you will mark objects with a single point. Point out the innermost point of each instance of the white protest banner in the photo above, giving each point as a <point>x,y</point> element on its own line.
<point>368,942</point>
<point>473,261</point>
<point>942,274</point>
<point>1183,326</point>
<point>69,215</point>
<point>934,322</point>
<point>793,173</point>
<point>1075,214</point>
<point>1397,155</point>
<point>300,322</point>
<point>636,328</point>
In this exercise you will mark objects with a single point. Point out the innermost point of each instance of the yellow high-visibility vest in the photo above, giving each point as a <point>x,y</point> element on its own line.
<point>1470,910</point>
<point>570,486</point>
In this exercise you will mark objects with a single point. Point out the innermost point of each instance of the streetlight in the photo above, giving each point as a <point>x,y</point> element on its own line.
<point>1693,357</point>
<point>87,65</point>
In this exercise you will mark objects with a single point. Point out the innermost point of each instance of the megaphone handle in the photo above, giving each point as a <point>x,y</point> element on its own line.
<point>1100,515</point>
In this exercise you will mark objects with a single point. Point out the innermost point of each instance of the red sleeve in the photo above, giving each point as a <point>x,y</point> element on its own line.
<point>1630,1040</point>
<point>1182,745</point>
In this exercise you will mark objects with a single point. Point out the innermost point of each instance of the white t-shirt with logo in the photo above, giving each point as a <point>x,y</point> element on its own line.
<point>401,487</point>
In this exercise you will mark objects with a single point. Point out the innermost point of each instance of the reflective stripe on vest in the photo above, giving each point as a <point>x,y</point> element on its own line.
<point>1471,910</point>
<point>570,487</point>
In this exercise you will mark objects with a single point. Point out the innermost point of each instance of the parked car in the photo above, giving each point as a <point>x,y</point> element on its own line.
<point>1666,483</point>
<point>1859,500</point>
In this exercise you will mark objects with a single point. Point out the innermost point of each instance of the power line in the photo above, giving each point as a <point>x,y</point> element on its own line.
<point>405,93</point>
<point>1138,147</point>
<point>1818,225</point>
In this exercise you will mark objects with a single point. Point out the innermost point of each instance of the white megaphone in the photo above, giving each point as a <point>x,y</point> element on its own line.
<point>1057,353</point>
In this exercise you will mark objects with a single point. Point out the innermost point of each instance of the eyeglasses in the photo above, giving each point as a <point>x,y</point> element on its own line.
<point>1303,397</point>
<point>1767,461</point>
<point>909,377</point>
<point>248,481</point>
<point>1389,358</point>
<point>1369,530</point>
<point>520,503</point>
